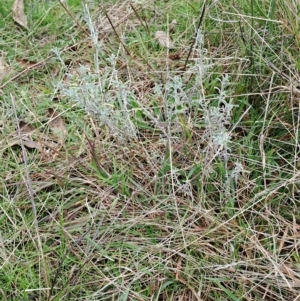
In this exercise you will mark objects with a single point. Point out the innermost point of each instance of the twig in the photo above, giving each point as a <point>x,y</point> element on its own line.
<point>118,37</point>
<point>35,65</point>
<point>75,20</point>
<point>195,36</point>
<point>140,19</point>
<point>60,265</point>
<point>31,193</point>
<point>242,33</point>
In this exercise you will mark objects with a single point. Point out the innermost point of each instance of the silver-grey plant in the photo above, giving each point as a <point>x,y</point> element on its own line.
<point>103,96</point>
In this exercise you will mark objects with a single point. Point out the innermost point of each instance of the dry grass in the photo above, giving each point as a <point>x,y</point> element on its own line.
<point>169,184</point>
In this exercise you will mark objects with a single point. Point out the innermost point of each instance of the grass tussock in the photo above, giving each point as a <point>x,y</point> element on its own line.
<point>135,171</point>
